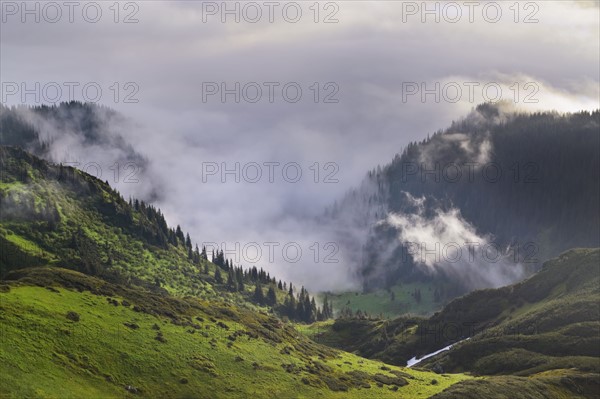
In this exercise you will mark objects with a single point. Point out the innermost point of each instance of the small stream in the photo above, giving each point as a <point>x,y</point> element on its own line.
<point>414,360</point>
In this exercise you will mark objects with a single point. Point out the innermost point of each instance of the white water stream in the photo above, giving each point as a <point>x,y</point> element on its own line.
<point>414,360</point>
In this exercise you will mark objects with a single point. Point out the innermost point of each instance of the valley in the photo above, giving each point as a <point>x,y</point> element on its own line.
<point>63,330</point>
<point>300,199</point>
<point>99,297</point>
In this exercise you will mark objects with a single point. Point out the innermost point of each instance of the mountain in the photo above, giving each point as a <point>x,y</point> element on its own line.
<point>524,186</point>
<point>540,337</point>
<point>100,298</point>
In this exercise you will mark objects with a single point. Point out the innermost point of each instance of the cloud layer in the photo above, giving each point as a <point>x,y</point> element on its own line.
<point>446,243</point>
<point>369,58</point>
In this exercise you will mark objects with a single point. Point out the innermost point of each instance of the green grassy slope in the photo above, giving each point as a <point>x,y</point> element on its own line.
<point>65,334</point>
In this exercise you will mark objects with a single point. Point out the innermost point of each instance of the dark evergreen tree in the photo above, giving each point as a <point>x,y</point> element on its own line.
<point>188,241</point>
<point>327,309</point>
<point>271,297</point>
<point>312,316</point>
<point>218,277</point>
<point>231,281</point>
<point>178,232</point>
<point>196,255</point>
<point>259,295</point>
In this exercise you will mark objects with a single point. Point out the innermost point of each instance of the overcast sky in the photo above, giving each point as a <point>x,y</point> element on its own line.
<point>368,60</point>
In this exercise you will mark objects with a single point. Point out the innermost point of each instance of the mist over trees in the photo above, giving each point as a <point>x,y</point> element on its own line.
<point>517,178</point>
<point>522,179</point>
<point>140,228</point>
<point>37,128</point>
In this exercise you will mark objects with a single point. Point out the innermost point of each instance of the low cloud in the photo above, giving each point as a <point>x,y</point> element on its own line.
<point>96,140</point>
<point>445,243</point>
<point>369,54</point>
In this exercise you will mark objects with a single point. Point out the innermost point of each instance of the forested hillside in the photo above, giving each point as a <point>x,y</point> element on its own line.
<point>527,182</point>
<point>59,216</point>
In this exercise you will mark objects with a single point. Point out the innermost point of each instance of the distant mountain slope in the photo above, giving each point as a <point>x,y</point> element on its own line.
<point>547,323</point>
<point>528,182</point>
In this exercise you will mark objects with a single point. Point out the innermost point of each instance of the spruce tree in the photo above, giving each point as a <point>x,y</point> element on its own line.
<point>218,277</point>
<point>231,282</point>
<point>271,296</point>
<point>291,309</point>
<point>327,312</point>
<point>313,311</point>
<point>196,255</point>
<point>178,231</point>
<point>258,294</point>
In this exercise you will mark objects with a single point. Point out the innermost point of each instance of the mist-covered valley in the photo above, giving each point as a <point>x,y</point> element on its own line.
<point>457,206</point>
<point>299,200</point>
